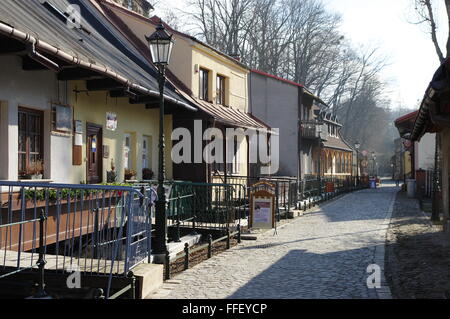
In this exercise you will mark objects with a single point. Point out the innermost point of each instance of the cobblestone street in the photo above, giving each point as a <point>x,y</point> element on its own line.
<point>323,254</point>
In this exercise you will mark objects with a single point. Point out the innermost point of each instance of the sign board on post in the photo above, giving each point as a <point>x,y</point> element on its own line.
<point>262,208</point>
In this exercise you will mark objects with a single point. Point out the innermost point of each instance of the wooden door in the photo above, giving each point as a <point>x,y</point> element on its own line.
<point>94,153</point>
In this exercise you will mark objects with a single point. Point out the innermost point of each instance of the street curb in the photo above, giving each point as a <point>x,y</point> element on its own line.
<point>379,256</point>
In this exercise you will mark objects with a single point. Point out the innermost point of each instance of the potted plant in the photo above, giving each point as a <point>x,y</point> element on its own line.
<point>147,174</point>
<point>130,174</point>
<point>111,176</point>
<point>34,172</point>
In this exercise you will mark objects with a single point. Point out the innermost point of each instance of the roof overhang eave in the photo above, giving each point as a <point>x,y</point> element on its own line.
<point>54,51</point>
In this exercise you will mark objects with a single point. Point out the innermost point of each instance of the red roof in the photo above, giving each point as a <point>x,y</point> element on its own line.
<point>277,78</point>
<point>408,117</point>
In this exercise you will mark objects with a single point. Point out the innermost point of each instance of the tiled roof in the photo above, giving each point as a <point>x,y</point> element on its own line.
<point>337,143</point>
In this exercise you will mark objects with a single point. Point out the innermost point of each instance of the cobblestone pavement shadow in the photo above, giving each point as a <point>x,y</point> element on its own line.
<point>417,253</point>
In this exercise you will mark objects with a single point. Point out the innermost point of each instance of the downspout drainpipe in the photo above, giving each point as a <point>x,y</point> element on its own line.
<point>36,56</point>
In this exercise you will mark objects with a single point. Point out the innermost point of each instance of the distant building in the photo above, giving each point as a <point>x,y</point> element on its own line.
<point>335,154</point>
<point>288,106</point>
<point>418,156</point>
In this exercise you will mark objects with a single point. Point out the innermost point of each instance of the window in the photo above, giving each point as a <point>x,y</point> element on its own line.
<point>220,90</point>
<point>127,151</point>
<point>30,142</point>
<point>231,168</point>
<point>236,159</point>
<point>146,152</point>
<point>204,81</point>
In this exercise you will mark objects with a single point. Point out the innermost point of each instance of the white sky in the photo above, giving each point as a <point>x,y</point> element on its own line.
<point>385,23</point>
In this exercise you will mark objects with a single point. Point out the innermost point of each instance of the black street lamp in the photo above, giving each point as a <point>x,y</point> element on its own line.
<point>374,158</point>
<point>161,44</point>
<point>357,146</point>
<point>319,130</point>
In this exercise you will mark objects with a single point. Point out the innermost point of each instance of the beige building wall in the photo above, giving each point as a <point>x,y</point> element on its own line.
<point>37,89</point>
<point>34,90</point>
<point>181,59</point>
<point>131,119</point>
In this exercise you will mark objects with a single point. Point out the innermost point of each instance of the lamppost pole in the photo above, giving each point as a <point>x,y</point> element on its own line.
<point>357,146</point>
<point>161,218</point>
<point>161,44</point>
<point>373,163</point>
<point>320,159</point>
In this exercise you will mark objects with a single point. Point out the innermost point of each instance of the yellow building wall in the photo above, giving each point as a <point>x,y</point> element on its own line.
<point>132,119</point>
<point>181,59</point>
<point>236,85</point>
<point>187,54</point>
<point>187,57</point>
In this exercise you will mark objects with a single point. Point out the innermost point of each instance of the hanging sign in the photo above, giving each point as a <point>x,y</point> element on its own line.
<point>94,144</point>
<point>111,121</point>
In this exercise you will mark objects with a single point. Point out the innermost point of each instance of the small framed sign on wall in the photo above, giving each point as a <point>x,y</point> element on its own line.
<point>62,118</point>
<point>78,127</point>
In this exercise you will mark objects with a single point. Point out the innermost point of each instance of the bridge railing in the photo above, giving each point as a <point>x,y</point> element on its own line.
<point>94,229</point>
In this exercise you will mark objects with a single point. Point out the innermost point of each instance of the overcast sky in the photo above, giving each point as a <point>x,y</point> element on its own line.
<point>385,23</point>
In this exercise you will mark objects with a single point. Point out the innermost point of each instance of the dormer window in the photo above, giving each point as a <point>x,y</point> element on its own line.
<point>204,82</point>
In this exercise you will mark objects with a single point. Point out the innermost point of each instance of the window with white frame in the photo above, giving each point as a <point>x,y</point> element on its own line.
<point>204,85</point>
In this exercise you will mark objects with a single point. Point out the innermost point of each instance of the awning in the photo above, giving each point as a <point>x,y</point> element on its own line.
<point>231,116</point>
<point>405,123</point>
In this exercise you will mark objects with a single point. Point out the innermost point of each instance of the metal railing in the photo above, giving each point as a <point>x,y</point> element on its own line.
<point>187,251</point>
<point>309,129</point>
<point>94,229</point>
<point>197,206</point>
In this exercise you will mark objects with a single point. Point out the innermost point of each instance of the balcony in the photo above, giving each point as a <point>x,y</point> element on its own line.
<point>310,129</point>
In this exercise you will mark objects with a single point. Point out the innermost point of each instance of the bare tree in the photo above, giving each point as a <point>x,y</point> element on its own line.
<point>424,10</point>
<point>300,41</point>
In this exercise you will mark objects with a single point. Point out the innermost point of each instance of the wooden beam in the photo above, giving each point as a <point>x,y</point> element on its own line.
<point>154,105</point>
<point>105,84</point>
<point>144,100</point>
<point>77,74</point>
<point>122,93</point>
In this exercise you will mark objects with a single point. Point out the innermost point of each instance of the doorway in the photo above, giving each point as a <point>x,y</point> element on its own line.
<point>94,153</point>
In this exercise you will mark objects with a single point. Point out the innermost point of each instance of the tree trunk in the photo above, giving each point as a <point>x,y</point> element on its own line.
<point>447,5</point>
